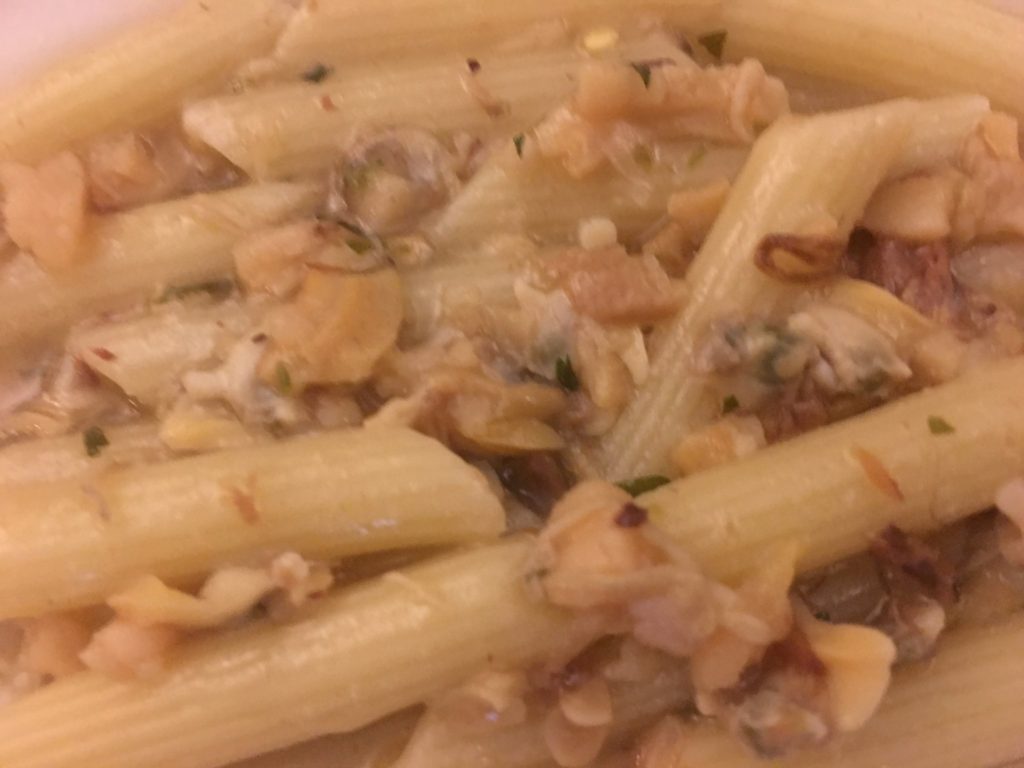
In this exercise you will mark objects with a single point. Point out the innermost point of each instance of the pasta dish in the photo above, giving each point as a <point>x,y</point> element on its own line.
<point>463,384</point>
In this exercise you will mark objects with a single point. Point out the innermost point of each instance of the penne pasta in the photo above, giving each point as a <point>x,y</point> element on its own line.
<point>344,33</point>
<point>904,47</point>
<point>288,130</point>
<point>800,172</point>
<point>140,77</point>
<point>833,489</point>
<point>52,459</point>
<point>133,256</point>
<point>371,650</point>
<point>957,710</point>
<point>76,541</point>
<point>530,194</point>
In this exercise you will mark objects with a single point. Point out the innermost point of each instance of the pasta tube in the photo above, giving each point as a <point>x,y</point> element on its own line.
<point>906,47</point>
<point>50,459</point>
<point>133,255</point>
<point>532,195</point>
<point>801,171</point>
<point>138,78</point>
<point>959,709</point>
<point>289,130</point>
<point>833,489</point>
<point>901,47</point>
<point>346,33</point>
<point>75,542</point>
<point>371,650</point>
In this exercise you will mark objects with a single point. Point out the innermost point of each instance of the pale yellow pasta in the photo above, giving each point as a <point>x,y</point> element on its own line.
<point>140,77</point>
<point>832,489</point>
<point>532,195</point>
<point>960,709</point>
<point>371,650</point>
<point>131,257</point>
<point>74,542</point>
<point>50,459</point>
<point>904,47</point>
<point>288,130</point>
<point>802,172</point>
<point>911,47</point>
<point>347,33</point>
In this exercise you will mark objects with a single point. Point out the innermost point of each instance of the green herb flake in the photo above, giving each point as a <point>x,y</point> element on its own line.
<point>317,73</point>
<point>643,484</point>
<point>644,70</point>
<point>217,289</point>
<point>566,375</point>
<point>823,616</point>
<point>283,379</point>
<point>714,42</point>
<point>696,157</point>
<point>359,244</point>
<point>939,426</point>
<point>95,440</point>
<point>518,140</point>
<point>729,404</point>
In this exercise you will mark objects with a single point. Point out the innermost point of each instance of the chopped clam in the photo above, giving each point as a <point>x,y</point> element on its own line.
<point>44,209</point>
<point>858,660</point>
<point>335,330</point>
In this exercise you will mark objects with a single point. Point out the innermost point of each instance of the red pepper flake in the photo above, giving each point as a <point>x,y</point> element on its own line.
<point>103,353</point>
<point>327,103</point>
<point>631,516</point>
<point>877,474</point>
<point>244,503</point>
<point>474,65</point>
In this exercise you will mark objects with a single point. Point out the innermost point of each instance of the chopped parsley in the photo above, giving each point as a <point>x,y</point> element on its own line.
<point>714,42</point>
<point>518,140</point>
<point>644,70</point>
<point>696,156</point>
<point>643,484</point>
<point>729,404</point>
<point>566,375</point>
<point>823,616</point>
<point>317,73</point>
<point>95,440</point>
<point>283,379</point>
<point>217,289</point>
<point>939,426</point>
